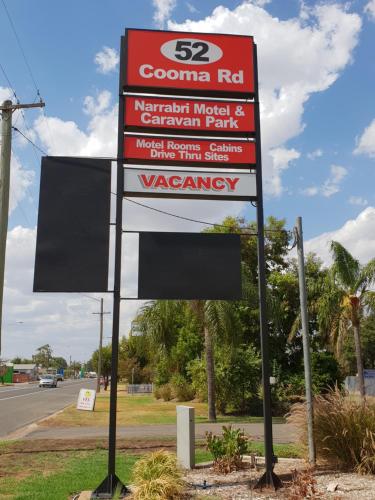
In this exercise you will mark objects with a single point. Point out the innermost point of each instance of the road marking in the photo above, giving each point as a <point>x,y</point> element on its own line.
<point>36,392</point>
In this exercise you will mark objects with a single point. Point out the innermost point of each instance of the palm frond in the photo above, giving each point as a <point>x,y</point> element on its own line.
<point>296,326</point>
<point>368,300</point>
<point>345,268</point>
<point>366,277</point>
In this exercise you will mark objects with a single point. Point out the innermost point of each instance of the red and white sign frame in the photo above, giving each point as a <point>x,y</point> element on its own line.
<point>223,185</point>
<point>189,116</point>
<point>195,63</point>
<point>167,150</point>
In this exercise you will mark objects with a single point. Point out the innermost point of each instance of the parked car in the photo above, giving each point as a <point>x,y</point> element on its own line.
<point>48,381</point>
<point>60,376</point>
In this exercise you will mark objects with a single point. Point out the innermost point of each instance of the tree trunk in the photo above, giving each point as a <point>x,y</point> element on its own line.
<point>358,353</point>
<point>210,369</point>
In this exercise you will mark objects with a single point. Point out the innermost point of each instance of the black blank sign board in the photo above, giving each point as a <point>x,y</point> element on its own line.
<point>189,266</point>
<point>72,247</point>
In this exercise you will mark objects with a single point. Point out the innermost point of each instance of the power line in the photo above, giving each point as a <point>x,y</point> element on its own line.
<point>200,221</point>
<point>8,81</point>
<point>20,45</point>
<point>30,141</point>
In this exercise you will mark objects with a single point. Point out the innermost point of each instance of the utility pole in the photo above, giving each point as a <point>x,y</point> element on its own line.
<point>305,339</point>
<point>6,109</point>
<point>99,371</point>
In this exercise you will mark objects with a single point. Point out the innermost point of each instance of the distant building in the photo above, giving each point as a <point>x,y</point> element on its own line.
<point>25,372</point>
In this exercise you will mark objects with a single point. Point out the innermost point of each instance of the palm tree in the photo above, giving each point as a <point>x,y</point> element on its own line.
<point>346,298</point>
<point>218,320</point>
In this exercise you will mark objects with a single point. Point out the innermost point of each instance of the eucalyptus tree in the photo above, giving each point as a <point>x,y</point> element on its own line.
<point>347,297</point>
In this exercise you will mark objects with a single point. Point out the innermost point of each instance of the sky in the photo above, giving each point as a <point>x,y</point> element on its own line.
<point>317,80</point>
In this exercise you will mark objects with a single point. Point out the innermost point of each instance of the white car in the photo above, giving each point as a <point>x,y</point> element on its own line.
<point>48,381</point>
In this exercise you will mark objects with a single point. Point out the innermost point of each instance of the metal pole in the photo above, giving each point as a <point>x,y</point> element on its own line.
<point>100,346</point>
<point>112,483</point>
<point>269,478</point>
<point>305,339</point>
<point>6,147</point>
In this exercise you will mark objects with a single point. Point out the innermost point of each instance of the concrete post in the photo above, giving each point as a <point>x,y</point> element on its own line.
<point>186,436</point>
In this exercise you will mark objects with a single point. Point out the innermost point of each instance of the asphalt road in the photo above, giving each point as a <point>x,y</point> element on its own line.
<point>22,405</point>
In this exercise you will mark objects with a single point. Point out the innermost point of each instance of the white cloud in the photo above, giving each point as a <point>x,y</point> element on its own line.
<point>95,106</point>
<point>315,154</point>
<point>331,185</point>
<point>20,180</point>
<point>100,138</point>
<point>297,57</point>
<point>282,159</point>
<point>192,8</point>
<point>358,200</point>
<point>366,143</point>
<point>311,191</point>
<point>357,235</point>
<point>163,10</point>
<point>370,9</point>
<point>106,60</point>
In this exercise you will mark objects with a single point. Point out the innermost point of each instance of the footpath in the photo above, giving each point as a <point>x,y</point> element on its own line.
<point>282,433</point>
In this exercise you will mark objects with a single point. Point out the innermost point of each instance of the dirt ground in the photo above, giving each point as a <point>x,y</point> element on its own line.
<point>240,485</point>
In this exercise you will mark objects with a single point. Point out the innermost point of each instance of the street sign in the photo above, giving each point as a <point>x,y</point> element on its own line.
<point>200,116</point>
<point>200,62</point>
<point>143,182</point>
<point>174,150</point>
<point>86,399</point>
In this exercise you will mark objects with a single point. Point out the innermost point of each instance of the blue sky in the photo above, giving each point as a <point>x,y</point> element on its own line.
<point>316,77</point>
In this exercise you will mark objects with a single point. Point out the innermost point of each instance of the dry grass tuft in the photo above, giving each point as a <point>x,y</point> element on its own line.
<point>344,430</point>
<point>157,477</point>
<point>303,485</point>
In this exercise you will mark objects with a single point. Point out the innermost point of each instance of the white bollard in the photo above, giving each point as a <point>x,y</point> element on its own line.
<point>186,436</point>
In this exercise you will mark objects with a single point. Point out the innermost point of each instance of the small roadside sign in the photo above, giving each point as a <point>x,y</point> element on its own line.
<point>86,400</point>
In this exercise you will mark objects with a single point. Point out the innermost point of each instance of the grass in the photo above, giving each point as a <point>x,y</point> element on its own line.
<point>34,475</point>
<point>280,450</point>
<point>42,476</point>
<point>138,410</point>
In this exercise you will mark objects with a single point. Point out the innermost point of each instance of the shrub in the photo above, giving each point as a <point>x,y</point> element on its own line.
<point>197,372</point>
<point>228,449</point>
<point>165,392</point>
<point>303,485</point>
<point>237,374</point>
<point>157,477</point>
<point>344,430</point>
<point>157,392</point>
<point>181,389</point>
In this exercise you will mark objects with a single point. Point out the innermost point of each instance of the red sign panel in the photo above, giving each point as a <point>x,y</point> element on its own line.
<point>171,149</point>
<point>190,61</point>
<point>189,114</point>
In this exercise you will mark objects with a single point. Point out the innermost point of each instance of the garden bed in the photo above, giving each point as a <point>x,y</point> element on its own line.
<point>239,485</point>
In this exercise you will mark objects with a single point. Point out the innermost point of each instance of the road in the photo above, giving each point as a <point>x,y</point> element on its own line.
<point>22,405</point>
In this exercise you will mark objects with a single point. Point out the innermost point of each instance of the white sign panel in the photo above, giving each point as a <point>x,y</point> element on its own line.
<point>143,182</point>
<point>86,399</point>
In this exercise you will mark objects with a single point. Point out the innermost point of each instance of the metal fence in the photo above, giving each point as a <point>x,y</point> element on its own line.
<point>351,385</point>
<point>140,388</point>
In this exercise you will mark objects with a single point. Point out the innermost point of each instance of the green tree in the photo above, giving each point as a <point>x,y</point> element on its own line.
<point>346,296</point>
<point>43,356</point>
<point>58,362</point>
<point>106,363</point>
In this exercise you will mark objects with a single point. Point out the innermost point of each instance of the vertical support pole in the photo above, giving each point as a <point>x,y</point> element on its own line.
<point>305,339</point>
<point>269,478</point>
<point>6,147</point>
<point>112,483</point>
<point>100,346</point>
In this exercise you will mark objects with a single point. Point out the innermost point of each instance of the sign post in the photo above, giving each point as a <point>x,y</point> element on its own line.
<point>269,478</point>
